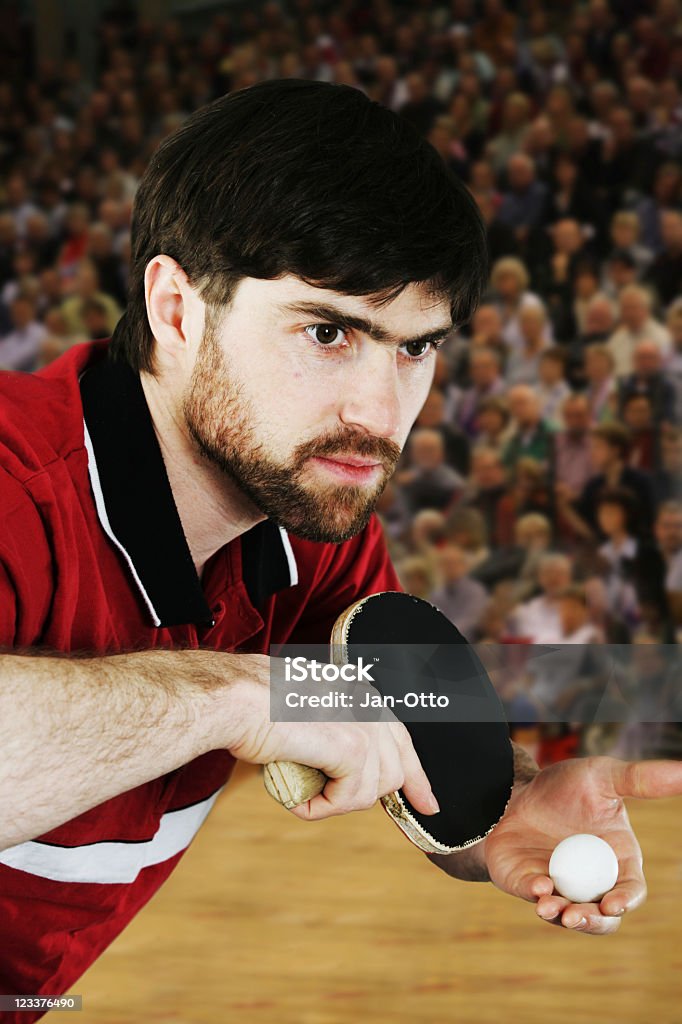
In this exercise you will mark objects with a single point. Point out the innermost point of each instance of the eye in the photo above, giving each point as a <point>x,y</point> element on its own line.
<point>325,334</point>
<point>419,350</point>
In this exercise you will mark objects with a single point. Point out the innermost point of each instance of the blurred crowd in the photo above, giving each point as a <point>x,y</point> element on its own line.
<point>539,499</point>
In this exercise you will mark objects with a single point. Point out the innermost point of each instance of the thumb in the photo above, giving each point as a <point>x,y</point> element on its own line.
<point>646,779</point>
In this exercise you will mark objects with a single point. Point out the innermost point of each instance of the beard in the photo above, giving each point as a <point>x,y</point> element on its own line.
<point>221,421</point>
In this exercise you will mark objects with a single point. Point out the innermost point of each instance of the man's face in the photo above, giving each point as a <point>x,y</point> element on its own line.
<point>647,360</point>
<point>668,530</point>
<point>487,470</point>
<point>633,310</point>
<point>307,414</point>
<point>576,414</point>
<point>553,577</point>
<point>483,368</point>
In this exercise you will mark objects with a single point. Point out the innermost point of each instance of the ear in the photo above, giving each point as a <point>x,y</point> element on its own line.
<point>174,310</point>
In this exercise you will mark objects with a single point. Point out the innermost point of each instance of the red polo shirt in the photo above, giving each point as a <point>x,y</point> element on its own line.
<point>93,558</point>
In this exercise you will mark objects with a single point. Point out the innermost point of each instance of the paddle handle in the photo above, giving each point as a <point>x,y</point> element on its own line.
<point>292,784</point>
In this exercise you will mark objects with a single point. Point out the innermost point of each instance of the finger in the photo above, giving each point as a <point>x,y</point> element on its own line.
<point>534,886</point>
<point>582,917</point>
<point>416,785</point>
<point>341,796</point>
<point>630,890</point>
<point>646,780</point>
<point>587,917</point>
<point>355,786</point>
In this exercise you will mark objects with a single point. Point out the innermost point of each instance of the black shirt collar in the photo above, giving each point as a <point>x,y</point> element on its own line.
<point>137,510</point>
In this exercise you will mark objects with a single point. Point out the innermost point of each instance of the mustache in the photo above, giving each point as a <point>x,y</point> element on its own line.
<point>350,443</point>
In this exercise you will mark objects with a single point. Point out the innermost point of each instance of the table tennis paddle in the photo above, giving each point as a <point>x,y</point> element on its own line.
<point>468,763</point>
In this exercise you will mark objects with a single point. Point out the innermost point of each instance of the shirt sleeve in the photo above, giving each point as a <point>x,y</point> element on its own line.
<point>25,567</point>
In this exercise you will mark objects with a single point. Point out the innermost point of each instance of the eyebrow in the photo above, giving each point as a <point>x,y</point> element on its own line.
<point>329,313</point>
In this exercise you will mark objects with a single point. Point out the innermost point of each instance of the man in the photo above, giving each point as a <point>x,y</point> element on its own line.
<point>665,273</point>
<point>485,488</point>
<point>668,534</point>
<point>20,347</point>
<point>609,454</point>
<point>486,382</point>
<point>204,486</point>
<point>537,620</point>
<point>636,324</point>
<point>571,449</point>
<point>429,482</point>
<point>523,203</point>
<point>531,435</point>
<point>459,597</point>
<point>649,378</point>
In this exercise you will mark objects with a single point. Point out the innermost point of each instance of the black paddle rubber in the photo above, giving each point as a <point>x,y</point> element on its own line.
<point>469,759</point>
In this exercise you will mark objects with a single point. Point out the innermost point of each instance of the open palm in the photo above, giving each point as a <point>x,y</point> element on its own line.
<point>580,795</point>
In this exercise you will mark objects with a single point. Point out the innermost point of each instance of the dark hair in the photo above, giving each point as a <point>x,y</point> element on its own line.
<point>625,499</point>
<point>615,435</point>
<point>307,178</point>
<point>554,354</point>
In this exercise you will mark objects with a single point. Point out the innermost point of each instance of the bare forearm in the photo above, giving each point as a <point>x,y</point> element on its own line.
<point>78,731</point>
<point>469,865</point>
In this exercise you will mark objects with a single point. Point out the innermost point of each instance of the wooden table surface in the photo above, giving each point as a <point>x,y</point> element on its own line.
<point>268,920</point>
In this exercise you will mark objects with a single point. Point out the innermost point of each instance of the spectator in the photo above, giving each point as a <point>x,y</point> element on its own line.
<point>601,389</point>
<point>20,348</point>
<point>87,289</point>
<point>648,378</point>
<point>523,203</point>
<point>416,576</point>
<point>571,448</point>
<point>585,289</point>
<point>485,488</point>
<point>665,273</point>
<point>429,482</point>
<point>674,364</point>
<point>517,563</point>
<point>600,321</point>
<point>615,510</point>
<point>609,452</point>
<point>572,195</point>
<point>493,425</point>
<point>636,324</point>
<point>486,382</point>
<point>515,118</point>
<point>668,534</point>
<point>638,418</point>
<point>552,386</point>
<point>523,365</point>
<point>667,479</point>
<point>420,108</point>
<point>106,262</point>
<point>665,193</point>
<point>459,597</point>
<point>537,620</point>
<point>625,232</point>
<point>432,415</point>
<point>509,280</point>
<point>75,245</point>
<point>620,271</point>
<point>531,436</point>
<point>528,492</point>
<point>466,528</point>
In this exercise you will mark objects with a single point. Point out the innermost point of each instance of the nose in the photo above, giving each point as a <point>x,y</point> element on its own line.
<point>370,400</point>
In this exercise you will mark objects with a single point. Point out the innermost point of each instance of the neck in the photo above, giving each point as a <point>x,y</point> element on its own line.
<point>212,509</point>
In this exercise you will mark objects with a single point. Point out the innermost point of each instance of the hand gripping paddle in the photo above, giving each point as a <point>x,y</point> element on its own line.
<point>467,759</point>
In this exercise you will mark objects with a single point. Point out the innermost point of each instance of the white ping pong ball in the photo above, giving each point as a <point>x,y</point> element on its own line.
<point>583,868</point>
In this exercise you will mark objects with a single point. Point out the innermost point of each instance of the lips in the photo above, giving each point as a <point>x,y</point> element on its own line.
<point>356,461</point>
